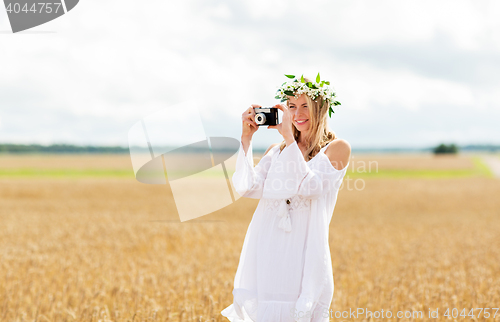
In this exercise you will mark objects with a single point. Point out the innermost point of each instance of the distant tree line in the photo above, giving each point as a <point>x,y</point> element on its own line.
<point>59,148</point>
<point>480,147</point>
<point>69,148</point>
<point>443,148</point>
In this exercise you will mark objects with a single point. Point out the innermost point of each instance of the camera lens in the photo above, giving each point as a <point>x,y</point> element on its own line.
<point>260,118</point>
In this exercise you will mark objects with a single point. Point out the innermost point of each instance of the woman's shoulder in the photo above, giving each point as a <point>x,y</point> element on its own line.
<point>339,143</point>
<point>339,153</point>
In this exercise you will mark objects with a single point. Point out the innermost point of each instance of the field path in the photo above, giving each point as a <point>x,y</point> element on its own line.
<point>493,163</point>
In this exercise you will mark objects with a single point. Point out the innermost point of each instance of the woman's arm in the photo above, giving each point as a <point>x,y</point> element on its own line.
<point>248,180</point>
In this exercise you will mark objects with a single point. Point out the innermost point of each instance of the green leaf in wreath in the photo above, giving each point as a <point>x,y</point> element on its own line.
<point>302,79</point>
<point>336,103</point>
<point>317,78</point>
<point>327,83</point>
<point>289,93</point>
<point>289,76</point>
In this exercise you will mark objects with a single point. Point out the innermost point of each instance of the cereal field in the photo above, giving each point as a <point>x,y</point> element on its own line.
<point>82,240</point>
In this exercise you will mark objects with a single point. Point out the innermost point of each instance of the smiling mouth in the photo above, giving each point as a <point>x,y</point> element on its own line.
<point>301,122</point>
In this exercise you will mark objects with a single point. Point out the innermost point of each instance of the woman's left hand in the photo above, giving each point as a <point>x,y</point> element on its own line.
<point>285,127</point>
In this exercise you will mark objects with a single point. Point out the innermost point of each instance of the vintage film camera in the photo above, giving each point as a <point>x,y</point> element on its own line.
<point>266,115</point>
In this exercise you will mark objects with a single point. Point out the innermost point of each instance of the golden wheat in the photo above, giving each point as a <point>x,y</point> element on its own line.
<point>114,250</point>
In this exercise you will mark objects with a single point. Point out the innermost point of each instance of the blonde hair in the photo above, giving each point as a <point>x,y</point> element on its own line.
<point>319,132</point>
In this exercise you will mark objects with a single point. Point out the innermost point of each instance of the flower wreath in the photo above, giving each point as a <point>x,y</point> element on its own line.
<point>313,90</point>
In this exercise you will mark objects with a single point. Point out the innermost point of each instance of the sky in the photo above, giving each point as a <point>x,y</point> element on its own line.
<point>408,73</point>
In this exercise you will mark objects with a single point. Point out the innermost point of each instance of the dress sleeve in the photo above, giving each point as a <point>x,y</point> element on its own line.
<point>248,180</point>
<point>292,176</point>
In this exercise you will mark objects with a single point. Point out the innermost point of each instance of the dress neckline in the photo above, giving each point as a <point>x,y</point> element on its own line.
<point>322,150</point>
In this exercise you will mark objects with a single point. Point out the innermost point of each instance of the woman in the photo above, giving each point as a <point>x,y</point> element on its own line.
<point>285,270</point>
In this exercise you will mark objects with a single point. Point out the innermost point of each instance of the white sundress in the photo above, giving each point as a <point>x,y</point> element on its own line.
<point>285,269</point>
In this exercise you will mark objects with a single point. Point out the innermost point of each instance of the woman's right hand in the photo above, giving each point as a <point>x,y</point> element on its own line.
<point>249,125</point>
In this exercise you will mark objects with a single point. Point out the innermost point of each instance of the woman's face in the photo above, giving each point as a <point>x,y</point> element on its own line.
<point>300,112</point>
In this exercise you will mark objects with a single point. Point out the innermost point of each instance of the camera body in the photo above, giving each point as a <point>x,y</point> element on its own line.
<point>266,115</point>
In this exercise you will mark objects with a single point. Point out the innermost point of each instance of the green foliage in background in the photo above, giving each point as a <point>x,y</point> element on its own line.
<point>443,148</point>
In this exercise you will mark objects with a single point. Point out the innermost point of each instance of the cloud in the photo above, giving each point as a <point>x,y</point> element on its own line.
<point>115,61</point>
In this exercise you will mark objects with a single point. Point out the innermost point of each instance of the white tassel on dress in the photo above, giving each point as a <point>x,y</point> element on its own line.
<point>285,222</point>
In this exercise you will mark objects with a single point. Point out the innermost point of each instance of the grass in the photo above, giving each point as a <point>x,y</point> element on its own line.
<point>65,173</point>
<point>481,167</point>
<point>420,173</point>
<point>481,170</point>
<point>478,169</point>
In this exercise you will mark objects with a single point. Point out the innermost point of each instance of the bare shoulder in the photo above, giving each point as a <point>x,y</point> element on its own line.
<point>339,153</point>
<point>272,146</point>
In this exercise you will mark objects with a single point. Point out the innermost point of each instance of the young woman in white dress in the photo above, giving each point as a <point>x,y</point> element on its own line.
<point>285,270</point>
